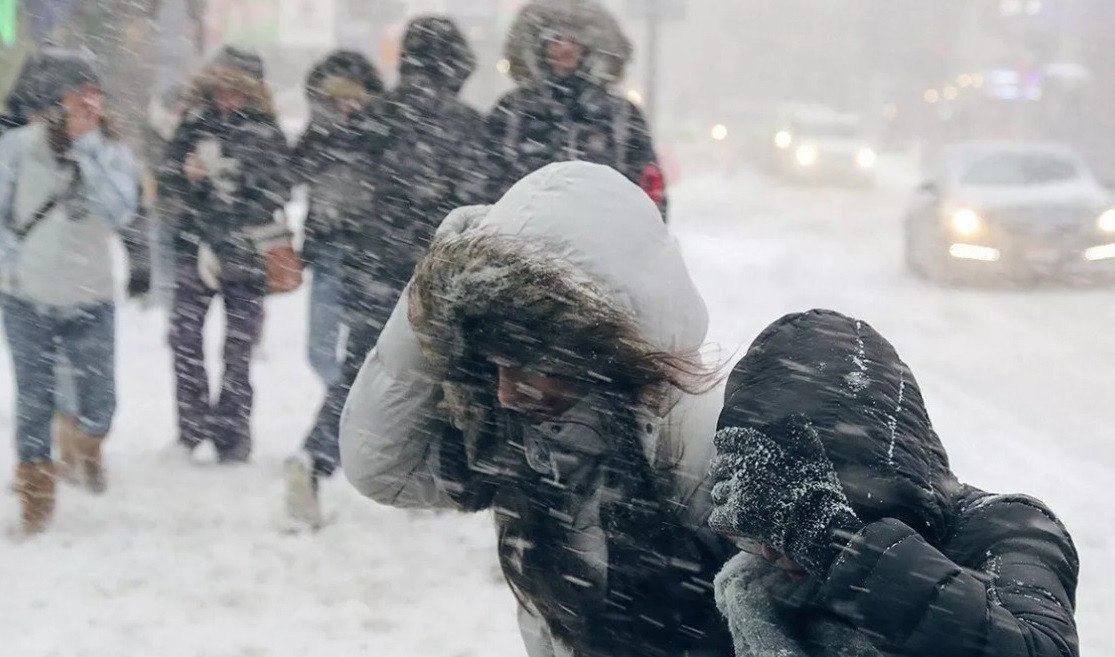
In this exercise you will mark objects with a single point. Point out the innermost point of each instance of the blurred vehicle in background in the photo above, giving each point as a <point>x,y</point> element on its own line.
<point>806,143</point>
<point>1012,211</point>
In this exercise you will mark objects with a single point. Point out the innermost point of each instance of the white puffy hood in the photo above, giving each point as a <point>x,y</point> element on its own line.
<point>592,218</point>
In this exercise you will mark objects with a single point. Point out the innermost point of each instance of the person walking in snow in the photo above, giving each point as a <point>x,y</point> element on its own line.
<point>565,56</point>
<point>543,365</point>
<point>67,185</point>
<point>859,538</point>
<point>226,169</point>
<point>333,157</point>
<point>424,160</point>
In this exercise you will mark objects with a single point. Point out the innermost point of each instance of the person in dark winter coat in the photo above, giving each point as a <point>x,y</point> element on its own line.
<point>564,61</point>
<point>860,539</point>
<point>425,161</point>
<point>227,168</point>
<point>542,365</point>
<point>335,159</point>
<point>67,186</point>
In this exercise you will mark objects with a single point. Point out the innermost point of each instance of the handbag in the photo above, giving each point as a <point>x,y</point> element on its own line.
<point>282,266</point>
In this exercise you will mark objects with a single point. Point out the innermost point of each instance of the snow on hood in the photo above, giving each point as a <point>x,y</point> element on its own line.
<point>866,405</point>
<point>592,218</point>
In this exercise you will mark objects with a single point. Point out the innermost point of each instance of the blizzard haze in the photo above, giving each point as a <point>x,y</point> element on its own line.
<point>1007,326</point>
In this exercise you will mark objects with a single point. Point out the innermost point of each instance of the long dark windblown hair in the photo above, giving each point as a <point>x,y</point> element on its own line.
<point>537,315</point>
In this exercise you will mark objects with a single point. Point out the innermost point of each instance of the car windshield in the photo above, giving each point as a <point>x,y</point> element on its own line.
<point>1011,169</point>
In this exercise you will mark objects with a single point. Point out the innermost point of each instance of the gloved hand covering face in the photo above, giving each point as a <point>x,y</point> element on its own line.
<point>777,486</point>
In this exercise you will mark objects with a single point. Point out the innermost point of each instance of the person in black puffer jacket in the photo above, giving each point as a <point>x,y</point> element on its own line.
<point>334,159</point>
<point>425,161</point>
<point>564,59</point>
<point>859,539</point>
<point>226,174</point>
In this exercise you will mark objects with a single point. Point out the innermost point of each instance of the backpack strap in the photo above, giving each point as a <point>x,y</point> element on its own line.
<point>21,232</point>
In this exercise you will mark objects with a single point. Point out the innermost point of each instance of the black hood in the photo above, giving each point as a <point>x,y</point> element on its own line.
<point>865,403</point>
<point>435,51</point>
<point>347,64</point>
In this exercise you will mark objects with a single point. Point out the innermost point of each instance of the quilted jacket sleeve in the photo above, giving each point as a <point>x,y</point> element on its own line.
<point>1008,589</point>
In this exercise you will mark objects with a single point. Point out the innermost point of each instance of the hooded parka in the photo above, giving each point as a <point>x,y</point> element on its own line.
<point>941,568</point>
<point>551,118</point>
<point>412,421</point>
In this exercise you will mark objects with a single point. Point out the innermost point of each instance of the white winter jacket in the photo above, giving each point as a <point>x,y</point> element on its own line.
<point>597,221</point>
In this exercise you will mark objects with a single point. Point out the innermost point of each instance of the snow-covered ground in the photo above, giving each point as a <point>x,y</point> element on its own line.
<point>189,560</point>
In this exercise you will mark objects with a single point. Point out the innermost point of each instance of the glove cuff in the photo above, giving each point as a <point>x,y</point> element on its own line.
<point>819,553</point>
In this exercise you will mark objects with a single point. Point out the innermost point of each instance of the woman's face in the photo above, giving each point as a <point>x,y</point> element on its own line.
<point>564,56</point>
<point>540,396</point>
<point>792,569</point>
<point>228,100</point>
<point>86,100</point>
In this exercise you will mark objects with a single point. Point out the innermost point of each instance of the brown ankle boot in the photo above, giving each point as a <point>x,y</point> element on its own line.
<point>35,488</point>
<point>89,467</point>
<point>64,428</point>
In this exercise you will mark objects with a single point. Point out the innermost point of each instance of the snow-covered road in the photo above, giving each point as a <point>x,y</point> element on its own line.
<point>186,560</point>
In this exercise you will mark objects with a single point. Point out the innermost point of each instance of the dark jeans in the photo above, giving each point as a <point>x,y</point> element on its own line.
<point>37,336</point>
<point>227,422</point>
<point>323,443</point>
<point>326,321</point>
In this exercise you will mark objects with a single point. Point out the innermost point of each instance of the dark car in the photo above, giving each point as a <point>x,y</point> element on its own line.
<point>1010,211</point>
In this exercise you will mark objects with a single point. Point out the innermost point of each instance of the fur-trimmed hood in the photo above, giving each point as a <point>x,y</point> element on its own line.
<point>588,22</point>
<point>572,250</point>
<point>601,228</point>
<point>468,281</point>
<point>344,74</point>
<point>225,72</point>
<point>572,256</point>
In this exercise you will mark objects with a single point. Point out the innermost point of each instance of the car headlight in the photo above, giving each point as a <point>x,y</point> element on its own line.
<point>1106,221</point>
<point>966,222</point>
<point>866,158</point>
<point>783,139</point>
<point>807,155</point>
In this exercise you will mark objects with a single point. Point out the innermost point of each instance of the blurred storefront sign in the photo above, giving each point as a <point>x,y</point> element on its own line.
<point>9,23</point>
<point>245,22</point>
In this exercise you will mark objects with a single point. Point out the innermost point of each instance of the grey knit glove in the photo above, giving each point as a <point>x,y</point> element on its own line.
<point>781,489</point>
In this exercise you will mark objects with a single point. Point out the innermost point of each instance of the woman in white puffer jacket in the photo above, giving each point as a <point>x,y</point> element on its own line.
<point>543,365</point>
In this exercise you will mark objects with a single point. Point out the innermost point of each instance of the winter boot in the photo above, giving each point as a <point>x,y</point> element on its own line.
<point>302,504</point>
<point>35,486</point>
<point>90,469</point>
<point>64,429</point>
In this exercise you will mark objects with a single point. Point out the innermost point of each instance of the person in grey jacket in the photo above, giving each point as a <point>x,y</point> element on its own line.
<point>543,365</point>
<point>67,184</point>
<point>861,541</point>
